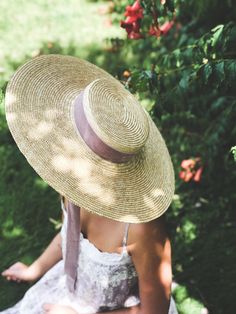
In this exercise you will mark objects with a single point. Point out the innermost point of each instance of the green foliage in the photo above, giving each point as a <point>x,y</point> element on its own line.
<point>186,304</point>
<point>233,150</point>
<point>189,76</point>
<point>25,209</point>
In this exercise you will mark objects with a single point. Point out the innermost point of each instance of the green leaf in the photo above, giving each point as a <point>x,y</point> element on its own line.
<point>148,74</point>
<point>217,32</point>
<point>180,293</point>
<point>184,83</point>
<point>218,103</point>
<point>230,68</point>
<point>190,305</point>
<point>220,71</point>
<point>233,151</point>
<point>207,71</point>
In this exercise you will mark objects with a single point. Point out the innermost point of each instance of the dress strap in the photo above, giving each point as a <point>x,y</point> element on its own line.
<point>124,242</point>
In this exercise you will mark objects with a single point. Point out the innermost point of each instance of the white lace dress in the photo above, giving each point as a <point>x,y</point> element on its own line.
<point>106,281</point>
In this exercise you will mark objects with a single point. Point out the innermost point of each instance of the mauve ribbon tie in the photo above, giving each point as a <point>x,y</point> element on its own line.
<point>72,245</point>
<point>91,138</point>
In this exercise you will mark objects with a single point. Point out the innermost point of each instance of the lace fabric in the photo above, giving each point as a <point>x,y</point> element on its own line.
<point>109,279</point>
<point>106,281</point>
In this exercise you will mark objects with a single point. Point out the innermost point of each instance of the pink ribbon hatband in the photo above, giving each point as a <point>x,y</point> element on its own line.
<point>91,138</point>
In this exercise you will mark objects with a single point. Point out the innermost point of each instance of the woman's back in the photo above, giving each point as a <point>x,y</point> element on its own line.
<point>105,279</point>
<point>106,234</point>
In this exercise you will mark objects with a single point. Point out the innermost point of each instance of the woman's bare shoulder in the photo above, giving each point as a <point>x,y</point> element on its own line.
<point>144,235</point>
<point>144,230</point>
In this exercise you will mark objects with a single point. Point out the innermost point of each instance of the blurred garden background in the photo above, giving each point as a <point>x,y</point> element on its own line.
<point>179,58</point>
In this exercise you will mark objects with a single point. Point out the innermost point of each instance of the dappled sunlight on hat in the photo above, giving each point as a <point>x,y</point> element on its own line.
<point>95,190</point>
<point>129,217</point>
<point>11,117</point>
<point>61,163</point>
<point>151,200</point>
<point>66,162</point>
<point>81,169</point>
<point>40,130</point>
<point>70,146</point>
<point>50,114</point>
<point>10,99</point>
<point>157,192</point>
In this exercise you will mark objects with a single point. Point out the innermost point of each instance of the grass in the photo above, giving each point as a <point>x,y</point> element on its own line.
<point>28,28</point>
<point>27,205</point>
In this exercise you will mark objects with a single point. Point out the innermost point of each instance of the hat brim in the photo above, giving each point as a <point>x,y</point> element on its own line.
<point>39,103</point>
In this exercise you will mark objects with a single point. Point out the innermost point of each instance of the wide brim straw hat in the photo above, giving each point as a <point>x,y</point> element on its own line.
<point>89,138</point>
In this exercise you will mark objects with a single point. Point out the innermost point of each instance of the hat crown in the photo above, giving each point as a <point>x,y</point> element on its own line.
<point>115,116</point>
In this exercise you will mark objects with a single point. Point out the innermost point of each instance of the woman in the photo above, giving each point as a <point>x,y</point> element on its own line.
<point>90,139</point>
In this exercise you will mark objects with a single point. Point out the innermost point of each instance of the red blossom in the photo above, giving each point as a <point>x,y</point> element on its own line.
<point>157,31</point>
<point>164,28</point>
<point>198,174</point>
<point>186,176</point>
<point>154,31</point>
<point>130,19</point>
<point>128,27</point>
<point>132,29</point>
<point>135,10</point>
<point>134,35</point>
<point>132,24</point>
<point>192,170</point>
<point>188,163</point>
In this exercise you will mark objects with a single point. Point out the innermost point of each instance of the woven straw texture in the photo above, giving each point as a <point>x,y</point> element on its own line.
<point>39,110</point>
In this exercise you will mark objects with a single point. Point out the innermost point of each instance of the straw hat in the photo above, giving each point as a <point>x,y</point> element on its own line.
<point>89,138</point>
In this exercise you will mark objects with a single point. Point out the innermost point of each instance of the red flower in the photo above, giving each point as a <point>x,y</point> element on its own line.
<point>135,11</point>
<point>166,27</point>
<point>128,26</point>
<point>133,14</point>
<point>186,175</point>
<point>132,29</point>
<point>134,35</point>
<point>154,31</point>
<point>198,174</point>
<point>188,163</point>
<point>192,170</point>
<point>157,31</point>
